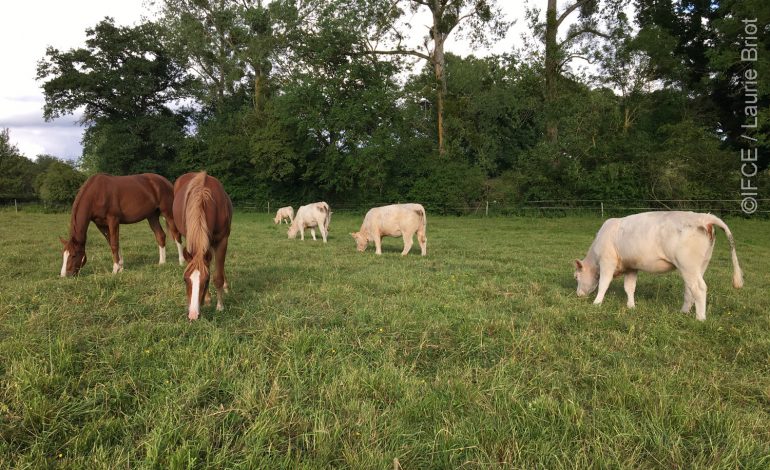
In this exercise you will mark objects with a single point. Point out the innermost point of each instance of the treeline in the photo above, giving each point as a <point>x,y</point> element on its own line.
<point>47,179</point>
<point>301,100</point>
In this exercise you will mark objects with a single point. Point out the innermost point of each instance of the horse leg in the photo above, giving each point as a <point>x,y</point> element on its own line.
<point>174,232</point>
<point>117,256</point>
<point>220,282</point>
<point>160,237</point>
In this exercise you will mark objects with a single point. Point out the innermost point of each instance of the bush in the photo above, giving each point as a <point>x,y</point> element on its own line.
<point>59,184</point>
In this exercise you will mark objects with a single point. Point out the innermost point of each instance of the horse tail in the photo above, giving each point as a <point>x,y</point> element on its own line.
<point>198,196</point>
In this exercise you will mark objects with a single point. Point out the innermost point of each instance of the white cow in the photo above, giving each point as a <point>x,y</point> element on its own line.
<point>284,213</point>
<point>393,221</point>
<point>654,242</point>
<point>310,216</point>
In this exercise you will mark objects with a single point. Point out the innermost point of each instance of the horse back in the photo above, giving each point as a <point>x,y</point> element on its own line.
<point>219,212</point>
<point>129,198</point>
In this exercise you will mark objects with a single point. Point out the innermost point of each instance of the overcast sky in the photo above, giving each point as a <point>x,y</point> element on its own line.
<point>27,27</point>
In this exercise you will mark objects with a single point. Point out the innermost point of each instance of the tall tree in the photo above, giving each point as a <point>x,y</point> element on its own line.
<point>578,42</point>
<point>706,48</point>
<point>124,77</point>
<point>228,44</point>
<point>480,20</point>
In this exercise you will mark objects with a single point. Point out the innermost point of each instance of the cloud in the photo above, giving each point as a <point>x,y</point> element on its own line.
<point>47,138</point>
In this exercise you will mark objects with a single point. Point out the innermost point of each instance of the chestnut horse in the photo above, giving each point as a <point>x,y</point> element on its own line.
<point>109,201</point>
<point>203,212</point>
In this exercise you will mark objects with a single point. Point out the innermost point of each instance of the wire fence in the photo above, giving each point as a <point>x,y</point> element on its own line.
<point>545,208</point>
<point>540,208</point>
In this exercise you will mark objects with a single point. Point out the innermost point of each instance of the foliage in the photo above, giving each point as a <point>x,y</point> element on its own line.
<point>17,173</point>
<point>296,101</point>
<point>59,183</point>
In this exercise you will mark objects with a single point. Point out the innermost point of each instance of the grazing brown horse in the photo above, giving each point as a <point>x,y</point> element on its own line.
<point>203,212</point>
<point>109,201</point>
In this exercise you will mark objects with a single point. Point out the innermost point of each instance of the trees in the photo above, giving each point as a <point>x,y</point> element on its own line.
<point>577,43</point>
<point>479,19</point>
<point>126,81</point>
<point>17,173</point>
<point>59,183</point>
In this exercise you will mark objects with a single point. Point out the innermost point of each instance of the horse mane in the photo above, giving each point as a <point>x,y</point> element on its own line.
<point>198,237</point>
<point>75,222</point>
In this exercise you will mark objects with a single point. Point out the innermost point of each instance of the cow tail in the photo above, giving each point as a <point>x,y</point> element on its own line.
<point>423,220</point>
<point>737,273</point>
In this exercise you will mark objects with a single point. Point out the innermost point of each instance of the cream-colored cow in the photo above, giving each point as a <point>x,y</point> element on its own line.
<point>393,221</point>
<point>654,242</point>
<point>284,213</point>
<point>310,216</point>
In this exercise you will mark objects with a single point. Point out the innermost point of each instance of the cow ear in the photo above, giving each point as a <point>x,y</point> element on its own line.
<point>578,265</point>
<point>353,234</point>
<point>187,255</point>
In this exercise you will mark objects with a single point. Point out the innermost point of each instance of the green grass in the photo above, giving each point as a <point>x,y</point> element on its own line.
<point>479,355</point>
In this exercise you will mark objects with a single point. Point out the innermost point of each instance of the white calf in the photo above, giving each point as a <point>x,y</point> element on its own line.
<point>654,242</point>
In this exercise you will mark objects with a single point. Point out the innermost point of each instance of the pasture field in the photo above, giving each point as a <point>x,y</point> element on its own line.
<point>479,355</point>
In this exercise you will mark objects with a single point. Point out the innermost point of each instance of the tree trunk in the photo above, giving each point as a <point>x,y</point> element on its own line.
<point>439,63</point>
<point>551,72</point>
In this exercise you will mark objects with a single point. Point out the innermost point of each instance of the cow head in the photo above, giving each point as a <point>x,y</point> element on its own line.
<point>587,276</point>
<point>292,232</point>
<point>361,240</point>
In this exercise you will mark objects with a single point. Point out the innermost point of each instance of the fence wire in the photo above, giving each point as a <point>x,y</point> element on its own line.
<point>545,207</point>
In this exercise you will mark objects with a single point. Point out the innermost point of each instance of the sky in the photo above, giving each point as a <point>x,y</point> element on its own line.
<point>28,27</point>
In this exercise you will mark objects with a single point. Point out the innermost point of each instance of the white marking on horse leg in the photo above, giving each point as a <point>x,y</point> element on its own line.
<point>162,253</point>
<point>64,263</point>
<point>220,306</point>
<point>181,254</point>
<point>194,309</point>
<point>118,267</point>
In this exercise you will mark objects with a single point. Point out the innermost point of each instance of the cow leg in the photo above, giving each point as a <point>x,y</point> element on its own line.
<point>160,237</point>
<point>700,300</point>
<point>220,282</point>
<point>408,240</point>
<point>302,234</point>
<point>117,256</point>
<point>696,286</point>
<point>605,277</point>
<point>629,284</point>
<point>312,232</point>
<point>423,241</point>
<point>688,299</point>
<point>323,231</point>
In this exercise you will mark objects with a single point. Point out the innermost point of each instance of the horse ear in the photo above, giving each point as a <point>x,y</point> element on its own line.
<point>63,241</point>
<point>187,255</point>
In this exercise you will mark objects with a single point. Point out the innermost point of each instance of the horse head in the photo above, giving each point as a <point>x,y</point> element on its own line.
<point>73,257</point>
<point>196,279</point>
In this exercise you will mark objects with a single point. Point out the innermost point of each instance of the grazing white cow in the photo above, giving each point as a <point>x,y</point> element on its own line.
<point>393,221</point>
<point>654,242</point>
<point>310,216</point>
<point>283,214</point>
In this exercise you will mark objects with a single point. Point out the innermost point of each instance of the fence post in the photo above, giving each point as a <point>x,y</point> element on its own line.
<point>487,212</point>
<point>602,203</point>
<point>268,207</point>
<point>16,206</point>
